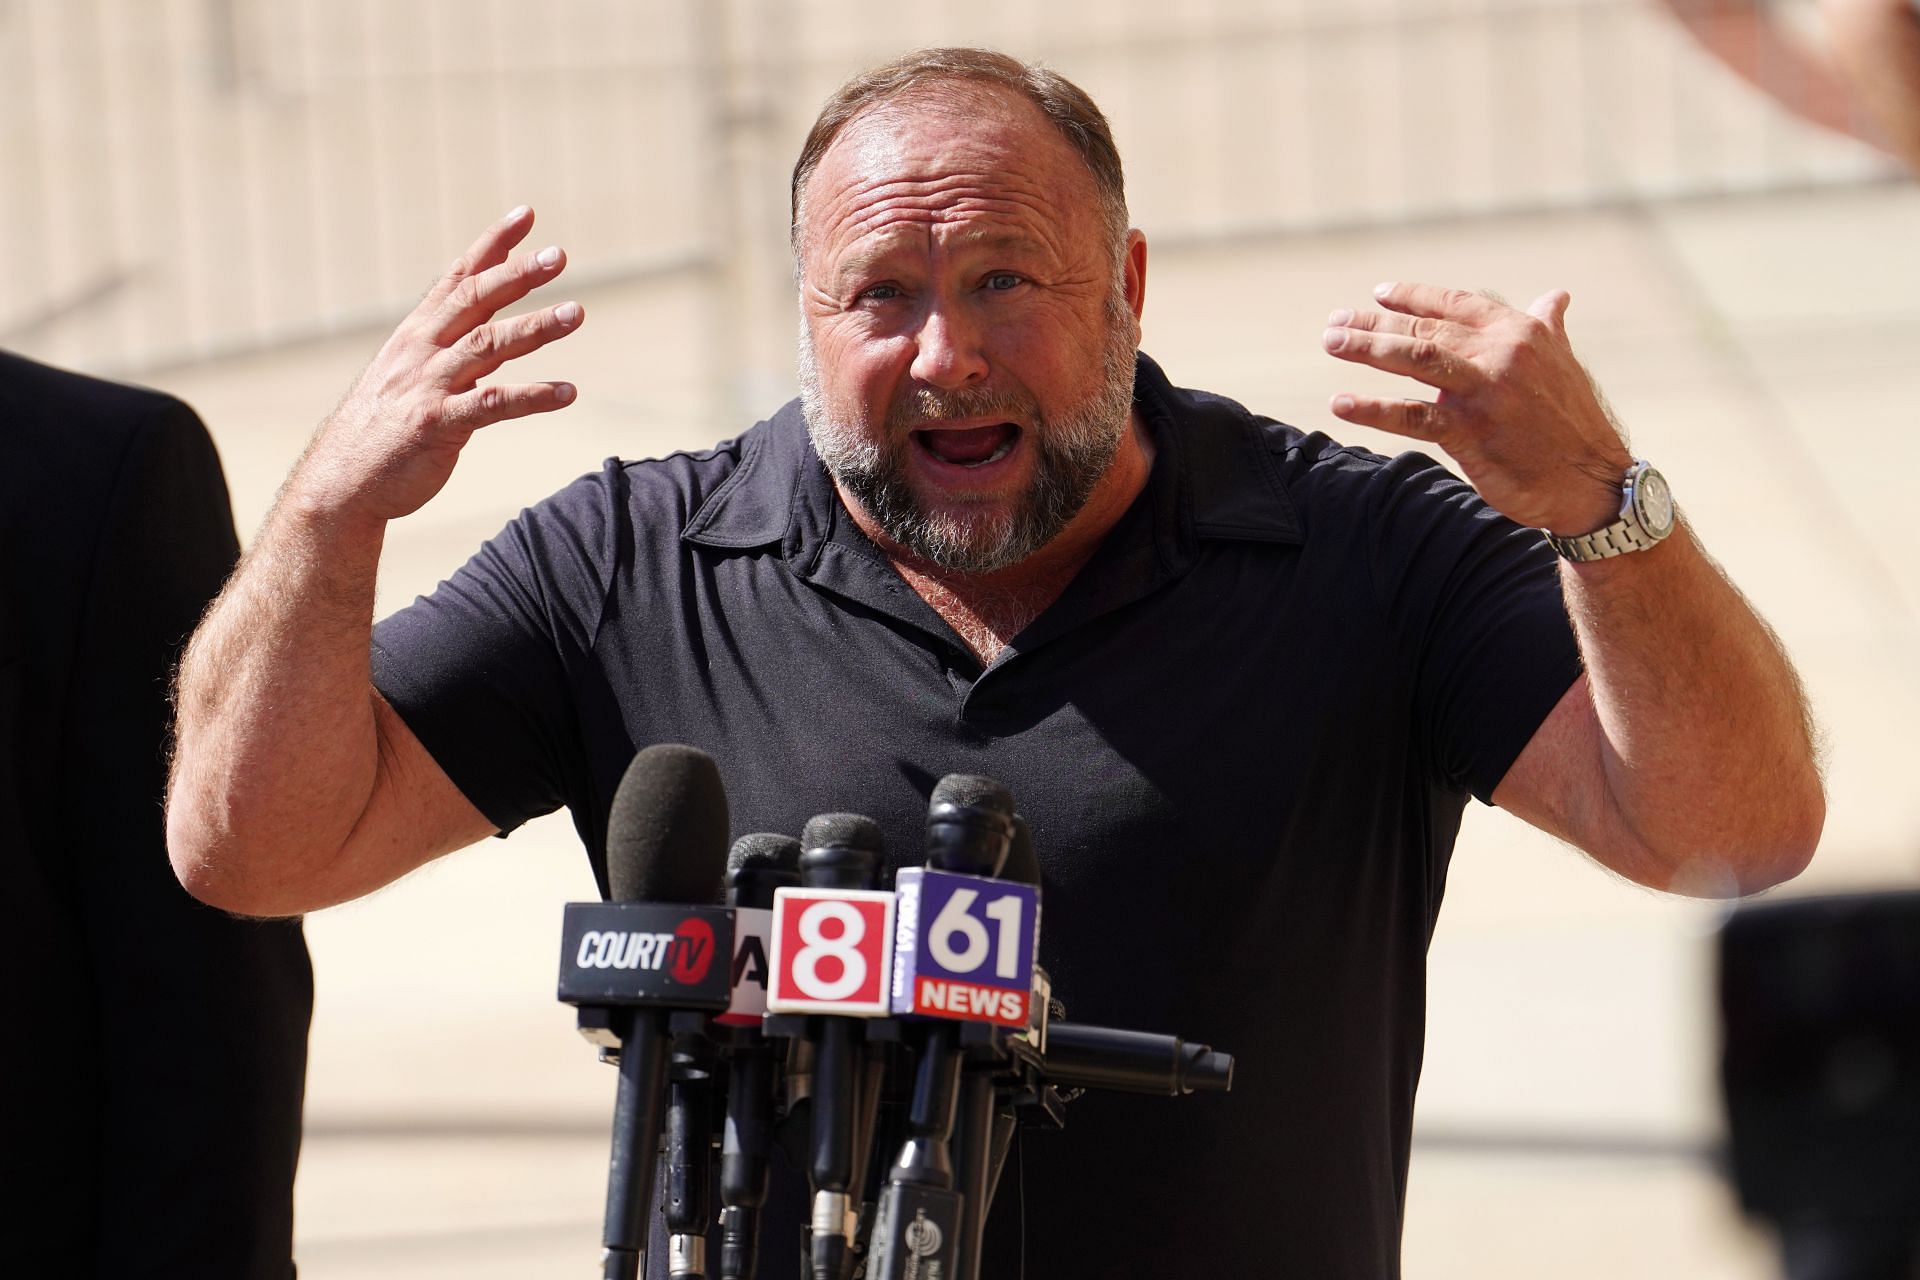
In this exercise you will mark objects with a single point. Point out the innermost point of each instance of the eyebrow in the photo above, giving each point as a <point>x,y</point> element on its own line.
<point>870,257</point>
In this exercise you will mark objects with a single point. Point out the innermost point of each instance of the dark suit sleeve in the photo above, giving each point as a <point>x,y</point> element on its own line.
<point>203,1017</point>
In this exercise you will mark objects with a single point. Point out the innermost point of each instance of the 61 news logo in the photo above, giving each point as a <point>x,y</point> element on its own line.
<point>964,946</point>
<point>832,951</point>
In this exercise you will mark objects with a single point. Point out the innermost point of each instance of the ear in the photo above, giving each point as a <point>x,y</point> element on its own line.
<point>1136,273</point>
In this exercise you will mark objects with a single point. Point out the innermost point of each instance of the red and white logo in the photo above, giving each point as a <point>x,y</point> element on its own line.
<point>832,951</point>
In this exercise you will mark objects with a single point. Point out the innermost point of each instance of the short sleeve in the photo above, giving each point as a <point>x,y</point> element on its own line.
<point>483,669</point>
<point>1475,602</point>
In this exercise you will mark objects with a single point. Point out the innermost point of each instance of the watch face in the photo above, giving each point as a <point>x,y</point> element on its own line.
<point>1653,502</point>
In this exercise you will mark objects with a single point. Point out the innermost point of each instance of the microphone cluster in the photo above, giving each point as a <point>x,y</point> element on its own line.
<point>907,1020</point>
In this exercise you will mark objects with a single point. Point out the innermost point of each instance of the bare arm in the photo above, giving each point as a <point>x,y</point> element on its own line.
<point>1877,43</point>
<point>1871,56</point>
<point>294,785</point>
<point>1683,759</point>
<point>1749,38</point>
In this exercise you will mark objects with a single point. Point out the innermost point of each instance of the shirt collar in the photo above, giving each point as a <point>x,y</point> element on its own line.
<point>1209,481</point>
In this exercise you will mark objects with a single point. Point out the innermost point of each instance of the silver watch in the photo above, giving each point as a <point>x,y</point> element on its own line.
<point>1646,516</point>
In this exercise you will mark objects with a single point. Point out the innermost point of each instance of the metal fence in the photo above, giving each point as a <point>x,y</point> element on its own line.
<point>186,178</point>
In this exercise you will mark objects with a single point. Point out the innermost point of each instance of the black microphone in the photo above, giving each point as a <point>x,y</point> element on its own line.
<point>1023,864</point>
<point>928,1208</point>
<point>687,1165</point>
<point>666,843</point>
<point>840,851</point>
<point>970,825</point>
<point>1022,867</point>
<point>1132,1062</point>
<point>757,866</point>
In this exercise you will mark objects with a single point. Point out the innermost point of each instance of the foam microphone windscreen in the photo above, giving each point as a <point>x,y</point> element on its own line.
<point>763,849</point>
<point>854,830</point>
<point>667,834</point>
<point>973,791</point>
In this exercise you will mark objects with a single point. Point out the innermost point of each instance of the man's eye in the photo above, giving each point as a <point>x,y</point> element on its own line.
<point>880,293</point>
<point>1001,281</point>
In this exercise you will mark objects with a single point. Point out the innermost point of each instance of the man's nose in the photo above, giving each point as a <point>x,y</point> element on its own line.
<point>948,351</point>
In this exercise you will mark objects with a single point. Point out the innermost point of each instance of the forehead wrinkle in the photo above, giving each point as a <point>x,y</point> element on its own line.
<point>949,194</point>
<point>998,159</point>
<point>1012,219</point>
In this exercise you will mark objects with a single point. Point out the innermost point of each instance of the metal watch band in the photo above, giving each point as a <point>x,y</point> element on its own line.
<point>1617,539</point>
<point>1644,496</point>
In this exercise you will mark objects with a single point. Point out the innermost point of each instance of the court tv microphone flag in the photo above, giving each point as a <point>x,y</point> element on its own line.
<point>656,950</point>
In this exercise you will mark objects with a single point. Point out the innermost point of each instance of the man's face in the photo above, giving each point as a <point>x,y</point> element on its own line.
<point>966,339</point>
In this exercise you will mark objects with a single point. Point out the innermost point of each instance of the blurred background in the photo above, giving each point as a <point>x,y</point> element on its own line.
<point>235,202</point>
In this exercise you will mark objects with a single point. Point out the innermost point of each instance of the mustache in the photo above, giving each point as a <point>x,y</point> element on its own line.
<point>921,405</point>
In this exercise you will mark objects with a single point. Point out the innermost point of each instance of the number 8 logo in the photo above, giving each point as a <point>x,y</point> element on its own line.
<point>843,947</point>
<point>832,951</point>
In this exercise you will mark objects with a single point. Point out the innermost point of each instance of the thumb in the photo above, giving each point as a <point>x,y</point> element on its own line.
<point>1551,309</point>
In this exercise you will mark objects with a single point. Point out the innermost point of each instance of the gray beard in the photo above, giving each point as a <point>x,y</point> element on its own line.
<point>1073,450</point>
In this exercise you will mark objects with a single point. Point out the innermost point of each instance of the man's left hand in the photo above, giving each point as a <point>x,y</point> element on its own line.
<point>1515,409</point>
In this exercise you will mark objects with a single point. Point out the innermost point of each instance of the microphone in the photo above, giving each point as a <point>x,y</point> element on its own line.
<point>757,867</point>
<point>1022,867</point>
<point>1023,864</point>
<point>1133,1062</point>
<point>628,961</point>
<point>688,1164</point>
<point>950,964</point>
<point>832,953</point>
<point>970,825</point>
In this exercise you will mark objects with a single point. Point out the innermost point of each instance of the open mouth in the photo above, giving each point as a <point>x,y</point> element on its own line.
<point>969,446</point>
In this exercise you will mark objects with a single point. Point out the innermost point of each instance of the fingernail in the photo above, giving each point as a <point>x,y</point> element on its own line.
<point>548,256</point>
<point>567,313</point>
<point>1342,316</point>
<point>564,393</point>
<point>1382,290</point>
<point>518,211</point>
<point>1343,404</point>
<point>1334,339</point>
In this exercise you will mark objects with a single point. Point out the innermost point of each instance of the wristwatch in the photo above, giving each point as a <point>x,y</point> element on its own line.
<point>1646,516</point>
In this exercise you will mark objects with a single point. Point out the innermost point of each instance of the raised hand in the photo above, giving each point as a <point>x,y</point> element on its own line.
<point>393,441</point>
<point>1514,407</point>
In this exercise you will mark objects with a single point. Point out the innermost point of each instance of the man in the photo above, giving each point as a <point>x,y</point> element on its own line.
<point>156,1049</point>
<point>1240,680</point>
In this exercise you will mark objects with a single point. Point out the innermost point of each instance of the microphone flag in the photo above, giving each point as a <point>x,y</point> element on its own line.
<point>964,946</point>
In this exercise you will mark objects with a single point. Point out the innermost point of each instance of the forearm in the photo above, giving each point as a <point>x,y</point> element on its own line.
<point>277,750</point>
<point>1705,742</point>
<point>1877,43</point>
<point>294,786</point>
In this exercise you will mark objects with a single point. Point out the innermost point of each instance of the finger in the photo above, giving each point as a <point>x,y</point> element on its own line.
<point>1550,309</point>
<point>489,250</point>
<point>474,300</point>
<point>1443,304</point>
<point>486,347</point>
<point>484,406</point>
<point>1416,418</point>
<point>1422,359</point>
<point>1391,322</point>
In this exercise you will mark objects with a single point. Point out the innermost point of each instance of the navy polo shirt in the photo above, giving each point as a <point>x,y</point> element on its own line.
<point>1242,736</point>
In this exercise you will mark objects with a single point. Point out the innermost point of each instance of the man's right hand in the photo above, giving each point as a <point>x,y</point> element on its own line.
<point>392,443</point>
<point>294,784</point>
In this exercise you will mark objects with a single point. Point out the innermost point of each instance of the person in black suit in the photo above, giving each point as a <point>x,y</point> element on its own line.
<point>154,1049</point>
